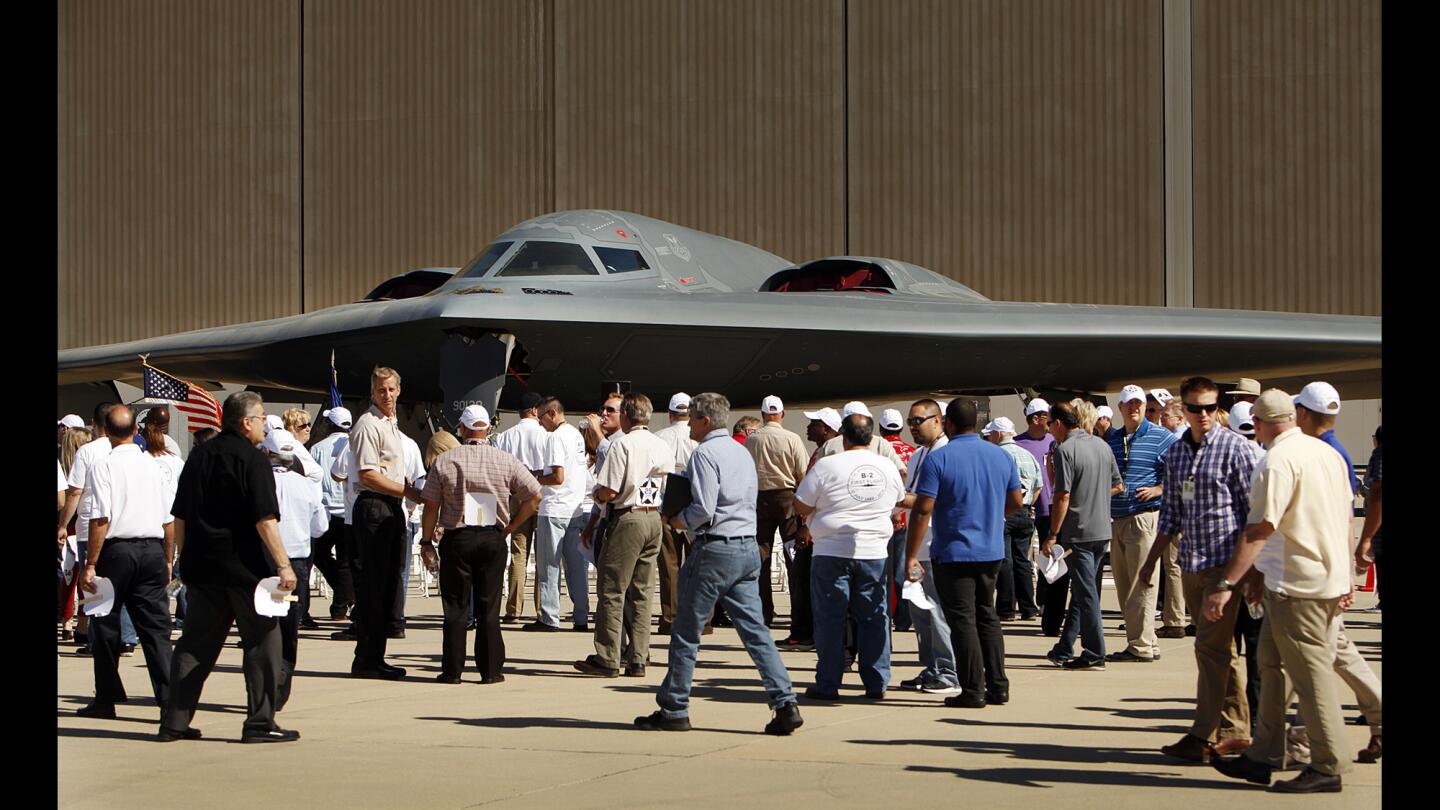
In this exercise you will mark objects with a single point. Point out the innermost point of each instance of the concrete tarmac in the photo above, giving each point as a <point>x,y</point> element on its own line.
<point>550,737</point>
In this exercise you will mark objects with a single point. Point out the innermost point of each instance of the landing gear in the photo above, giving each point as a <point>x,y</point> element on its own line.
<point>472,370</point>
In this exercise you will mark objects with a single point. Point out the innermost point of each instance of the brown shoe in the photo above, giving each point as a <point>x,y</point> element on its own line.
<point>1225,748</point>
<point>591,665</point>
<point>1370,753</point>
<point>1190,748</point>
<point>1170,632</point>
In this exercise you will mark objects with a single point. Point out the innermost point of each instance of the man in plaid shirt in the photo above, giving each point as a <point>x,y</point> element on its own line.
<point>1207,499</point>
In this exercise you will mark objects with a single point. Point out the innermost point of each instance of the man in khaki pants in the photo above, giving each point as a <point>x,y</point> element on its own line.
<point>1207,497</point>
<point>631,481</point>
<point>1139,447</point>
<point>1301,505</point>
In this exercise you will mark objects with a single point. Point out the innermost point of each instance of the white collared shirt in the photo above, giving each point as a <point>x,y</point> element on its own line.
<point>89,455</point>
<point>129,488</point>
<point>325,452</point>
<point>302,516</point>
<point>527,441</point>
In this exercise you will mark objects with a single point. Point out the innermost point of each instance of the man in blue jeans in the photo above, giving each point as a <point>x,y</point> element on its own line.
<point>848,498</point>
<point>1086,476</point>
<point>969,486</point>
<point>724,568</point>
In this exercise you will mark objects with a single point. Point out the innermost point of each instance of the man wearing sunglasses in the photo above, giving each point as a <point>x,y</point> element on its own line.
<point>1207,499</point>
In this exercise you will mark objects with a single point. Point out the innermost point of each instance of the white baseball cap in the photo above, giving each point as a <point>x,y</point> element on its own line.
<point>853,407</point>
<point>272,423</point>
<point>890,419</point>
<point>340,417</point>
<point>1320,397</point>
<point>1036,405</point>
<point>1104,412</point>
<point>829,416</point>
<point>1242,420</point>
<point>280,440</point>
<point>70,420</point>
<point>1130,392</point>
<point>680,403</point>
<point>772,404</point>
<point>1162,396</point>
<point>1001,424</point>
<point>475,417</point>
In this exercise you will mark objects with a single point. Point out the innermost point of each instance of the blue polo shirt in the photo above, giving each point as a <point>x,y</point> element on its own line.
<point>969,478</point>
<point>1141,460</point>
<point>1329,438</point>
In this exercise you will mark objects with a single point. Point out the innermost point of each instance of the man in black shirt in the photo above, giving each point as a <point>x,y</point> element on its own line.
<point>228,536</point>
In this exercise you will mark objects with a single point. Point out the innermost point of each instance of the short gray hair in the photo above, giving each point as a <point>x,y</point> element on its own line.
<point>636,408</point>
<point>712,406</point>
<point>237,406</point>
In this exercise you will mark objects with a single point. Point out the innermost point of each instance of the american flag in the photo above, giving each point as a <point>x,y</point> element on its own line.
<point>195,402</point>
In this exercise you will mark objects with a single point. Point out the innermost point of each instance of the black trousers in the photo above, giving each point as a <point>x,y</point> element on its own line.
<point>1016,583</point>
<point>802,616</point>
<point>379,531</point>
<point>212,610</point>
<point>137,570</point>
<point>333,553</point>
<point>1247,641</point>
<point>290,626</point>
<point>472,563</point>
<point>967,595</point>
<point>774,512</point>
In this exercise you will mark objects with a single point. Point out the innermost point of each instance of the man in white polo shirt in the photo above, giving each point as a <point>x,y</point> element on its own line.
<point>529,442</point>
<point>849,497</point>
<point>130,544</point>
<point>558,525</point>
<point>302,518</point>
<point>1298,538</point>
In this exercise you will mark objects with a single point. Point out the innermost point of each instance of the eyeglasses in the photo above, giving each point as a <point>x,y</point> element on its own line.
<point>1193,408</point>
<point>256,416</point>
<point>608,409</point>
<point>917,421</point>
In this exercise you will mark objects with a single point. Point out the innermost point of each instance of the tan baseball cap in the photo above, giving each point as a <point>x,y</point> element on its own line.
<point>1247,386</point>
<point>1273,406</point>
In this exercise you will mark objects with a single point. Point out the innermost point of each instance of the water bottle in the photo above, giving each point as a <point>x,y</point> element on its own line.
<point>916,572</point>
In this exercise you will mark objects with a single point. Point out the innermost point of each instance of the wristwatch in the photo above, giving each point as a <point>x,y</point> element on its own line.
<point>1224,585</point>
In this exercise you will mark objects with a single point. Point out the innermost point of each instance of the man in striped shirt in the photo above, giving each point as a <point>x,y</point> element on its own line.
<point>1207,484</point>
<point>1139,447</point>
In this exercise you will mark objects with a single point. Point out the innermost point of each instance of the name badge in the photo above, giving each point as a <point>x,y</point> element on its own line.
<point>1187,492</point>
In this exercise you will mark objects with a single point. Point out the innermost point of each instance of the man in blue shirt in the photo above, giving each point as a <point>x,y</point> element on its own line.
<point>724,567</point>
<point>1139,447</point>
<point>970,486</point>
<point>1316,407</point>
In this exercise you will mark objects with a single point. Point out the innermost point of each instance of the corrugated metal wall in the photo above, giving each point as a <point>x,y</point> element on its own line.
<point>1287,155</point>
<point>721,116</point>
<point>178,159</point>
<point>427,131</point>
<point>1015,147</point>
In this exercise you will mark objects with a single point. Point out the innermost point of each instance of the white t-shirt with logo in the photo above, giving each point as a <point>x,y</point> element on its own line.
<point>567,451</point>
<point>853,493</point>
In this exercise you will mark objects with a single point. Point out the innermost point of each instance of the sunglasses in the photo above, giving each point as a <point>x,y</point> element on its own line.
<point>608,409</point>
<point>1193,408</point>
<point>917,421</point>
<point>305,426</point>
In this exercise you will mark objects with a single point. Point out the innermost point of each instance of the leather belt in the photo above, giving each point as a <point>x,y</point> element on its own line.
<point>622,510</point>
<point>707,537</point>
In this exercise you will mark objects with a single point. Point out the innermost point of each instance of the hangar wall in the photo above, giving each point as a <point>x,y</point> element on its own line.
<point>224,162</point>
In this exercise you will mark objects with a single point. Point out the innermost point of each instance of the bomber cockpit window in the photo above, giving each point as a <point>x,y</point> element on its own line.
<point>621,260</point>
<point>482,263</point>
<point>549,259</point>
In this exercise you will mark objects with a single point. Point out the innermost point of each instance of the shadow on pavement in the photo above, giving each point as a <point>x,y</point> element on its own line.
<point>561,722</point>
<point>962,721</point>
<point>1048,777</point>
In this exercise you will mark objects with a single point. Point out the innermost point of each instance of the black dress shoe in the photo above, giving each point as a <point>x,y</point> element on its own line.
<point>270,735</point>
<point>656,721</point>
<point>581,628</point>
<point>880,695</point>
<point>965,700</point>
<point>493,679</point>
<point>97,711</point>
<point>787,718</point>
<point>444,678</point>
<point>309,624</point>
<point>1190,630</point>
<point>634,670</point>
<point>816,693</point>
<point>538,626</point>
<point>171,735</point>
<point>591,665</point>
<point>997,698</point>
<point>395,634</point>
<point>1309,781</point>
<point>1243,767</point>
<point>383,672</point>
<point>343,635</point>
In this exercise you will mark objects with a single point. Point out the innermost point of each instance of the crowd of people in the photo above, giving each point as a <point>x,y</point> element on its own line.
<point>1191,503</point>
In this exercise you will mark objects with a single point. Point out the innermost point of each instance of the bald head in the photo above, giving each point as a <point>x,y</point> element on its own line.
<point>120,425</point>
